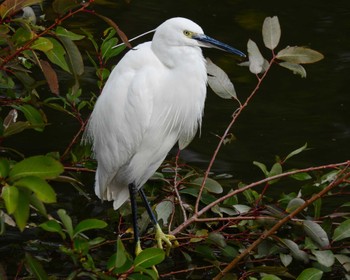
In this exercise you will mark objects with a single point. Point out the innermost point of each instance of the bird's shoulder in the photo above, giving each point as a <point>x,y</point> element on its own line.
<point>138,58</point>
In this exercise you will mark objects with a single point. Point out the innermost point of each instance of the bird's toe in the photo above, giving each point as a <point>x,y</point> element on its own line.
<point>168,239</point>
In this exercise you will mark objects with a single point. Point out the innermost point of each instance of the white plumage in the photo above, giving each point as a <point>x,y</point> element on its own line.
<point>153,98</point>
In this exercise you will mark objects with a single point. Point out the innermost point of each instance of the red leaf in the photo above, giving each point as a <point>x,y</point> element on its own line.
<point>50,76</point>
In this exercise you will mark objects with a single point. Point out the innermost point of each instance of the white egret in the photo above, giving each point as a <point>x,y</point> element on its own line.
<point>153,98</point>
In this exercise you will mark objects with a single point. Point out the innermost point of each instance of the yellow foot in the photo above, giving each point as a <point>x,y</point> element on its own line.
<point>138,250</point>
<point>166,238</point>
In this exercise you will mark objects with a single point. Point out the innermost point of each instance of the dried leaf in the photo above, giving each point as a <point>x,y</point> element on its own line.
<point>50,76</point>
<point>299,55</point>
<point>295,68</point>
<point>256,60</point>
<point>10,118</point>
<point>121,34</point>
<point>219,82</point>
<point>271,32</point>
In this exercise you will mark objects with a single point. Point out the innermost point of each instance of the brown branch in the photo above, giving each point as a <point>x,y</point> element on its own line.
<point>343,175</point>
<point>235,115</point>
<point>196,215</point>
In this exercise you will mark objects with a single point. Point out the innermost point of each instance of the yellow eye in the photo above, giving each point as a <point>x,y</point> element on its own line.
<point>187,33</point>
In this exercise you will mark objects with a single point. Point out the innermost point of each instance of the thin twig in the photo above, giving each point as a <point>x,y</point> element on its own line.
<point>177,184</point>
<point>344,174</point>
<point>222,139</point>
<point>196,215</point>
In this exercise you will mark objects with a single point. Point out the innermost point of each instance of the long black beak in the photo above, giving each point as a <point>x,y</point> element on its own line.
<point>209,42</point>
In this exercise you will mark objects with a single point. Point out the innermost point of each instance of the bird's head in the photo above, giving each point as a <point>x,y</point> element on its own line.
<point>184,32</point>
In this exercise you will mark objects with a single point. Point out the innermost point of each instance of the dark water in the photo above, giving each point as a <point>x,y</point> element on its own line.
<point>288,110</point>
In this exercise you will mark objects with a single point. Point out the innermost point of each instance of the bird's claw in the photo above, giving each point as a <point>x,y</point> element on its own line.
<point>169,240</point>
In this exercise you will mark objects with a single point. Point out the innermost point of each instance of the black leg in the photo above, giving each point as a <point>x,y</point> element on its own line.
<point>133,192</point>
<point>160,236</point>
<point>148,207</point>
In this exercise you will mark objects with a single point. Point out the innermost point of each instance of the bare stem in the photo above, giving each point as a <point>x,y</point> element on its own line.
<point>235,115</point>
<point>196,215</point>
<point>342,176</point>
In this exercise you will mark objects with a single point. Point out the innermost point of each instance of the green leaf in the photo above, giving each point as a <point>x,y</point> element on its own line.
<point>295,68</point>
<point>67,222</point>
<point>302,176</point>
<point>21,213</point>
<point>210,185</point>
<point>202,234</point>
<point>107,50</point>
<point>276,169</point>
<point>218,239</point>
<point>344,261</point>
<point>346,204</point>
<point>53,226</point>
<point>299,55</point>
<point>120,262</point>
<point>38,205</point>
<point>295,251</point>
<point>42,44</point>
<point>89,224</point>
<point>62,32</point>
<point>164,209</point>
<point>57,55</point>
<point>91,37</point>
<point>286,259</point>
<point>16,127</point>
<point>262,167</point>
<point>296,152</point>
<point>36,268</point>
<point>33,115</point>
<point>149,257</point>
<point>325,258</point>
<point>121,255</point>
<point>4,167</point>
<point>294,203</point>
<point>10,195</point>
<point>44,167</point>
<point>205,251</point>
<point>342,231</point>
<point>310,274</point>
<point>271,32</point>
<point>206,198</point>
<point>242,208</point>
<point>21,36</point>
<point>74,56</point>
<point>39,186</point>
<point>81,246</point>
<point>316,233</point>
